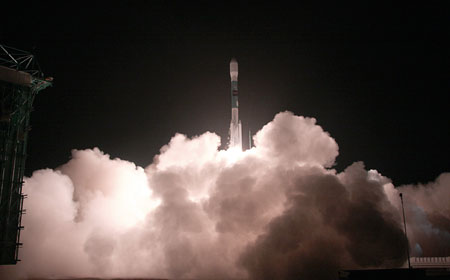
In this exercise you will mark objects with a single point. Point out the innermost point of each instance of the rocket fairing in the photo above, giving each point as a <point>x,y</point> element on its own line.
<point>235,125</point>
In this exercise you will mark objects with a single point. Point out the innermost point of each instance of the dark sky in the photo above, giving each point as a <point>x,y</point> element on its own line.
<point>127,77</point>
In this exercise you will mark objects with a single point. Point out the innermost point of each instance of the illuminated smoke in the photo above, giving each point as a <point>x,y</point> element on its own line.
<point>277,211</point>
<point>428,214</point>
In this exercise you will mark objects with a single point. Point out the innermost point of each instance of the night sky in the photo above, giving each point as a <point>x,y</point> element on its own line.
<point>127,77</point>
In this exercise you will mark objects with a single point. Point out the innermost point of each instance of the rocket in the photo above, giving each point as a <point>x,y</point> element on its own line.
<point>235,125</point>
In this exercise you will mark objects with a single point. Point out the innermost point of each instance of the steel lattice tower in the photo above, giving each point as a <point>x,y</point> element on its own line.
<point>20,80</point>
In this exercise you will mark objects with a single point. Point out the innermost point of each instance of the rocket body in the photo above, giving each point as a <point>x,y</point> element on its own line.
<point>235,125</point>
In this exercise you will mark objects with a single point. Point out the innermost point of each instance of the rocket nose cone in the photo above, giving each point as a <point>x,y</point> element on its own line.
<point>233,69</point>
<point>233,64</point>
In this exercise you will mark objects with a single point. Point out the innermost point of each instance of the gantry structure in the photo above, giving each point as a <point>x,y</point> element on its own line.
<point>20,80</point>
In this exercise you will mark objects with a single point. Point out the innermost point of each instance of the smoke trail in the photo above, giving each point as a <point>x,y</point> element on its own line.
<point>277,211</point>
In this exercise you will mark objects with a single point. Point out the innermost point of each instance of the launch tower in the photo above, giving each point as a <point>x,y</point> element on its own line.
<point>20,80</point>
<point>235,125</point>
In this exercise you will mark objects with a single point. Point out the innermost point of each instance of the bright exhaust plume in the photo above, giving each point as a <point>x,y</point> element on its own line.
<point>276,211</point>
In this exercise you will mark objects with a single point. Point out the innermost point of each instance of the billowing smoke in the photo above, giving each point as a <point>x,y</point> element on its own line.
<point>277,211</point>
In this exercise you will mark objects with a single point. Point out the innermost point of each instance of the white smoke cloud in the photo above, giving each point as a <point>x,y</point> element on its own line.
<point>276,211</point>
<point>290,139</point>
<point>427,210</point>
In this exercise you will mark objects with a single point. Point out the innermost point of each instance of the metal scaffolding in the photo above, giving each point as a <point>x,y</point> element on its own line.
<point>20,80</point>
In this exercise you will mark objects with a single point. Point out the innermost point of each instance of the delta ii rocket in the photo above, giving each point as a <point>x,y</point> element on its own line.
<point>235,125</point>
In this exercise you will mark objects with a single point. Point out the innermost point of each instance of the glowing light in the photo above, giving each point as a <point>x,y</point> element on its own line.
<point>232,155</point>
